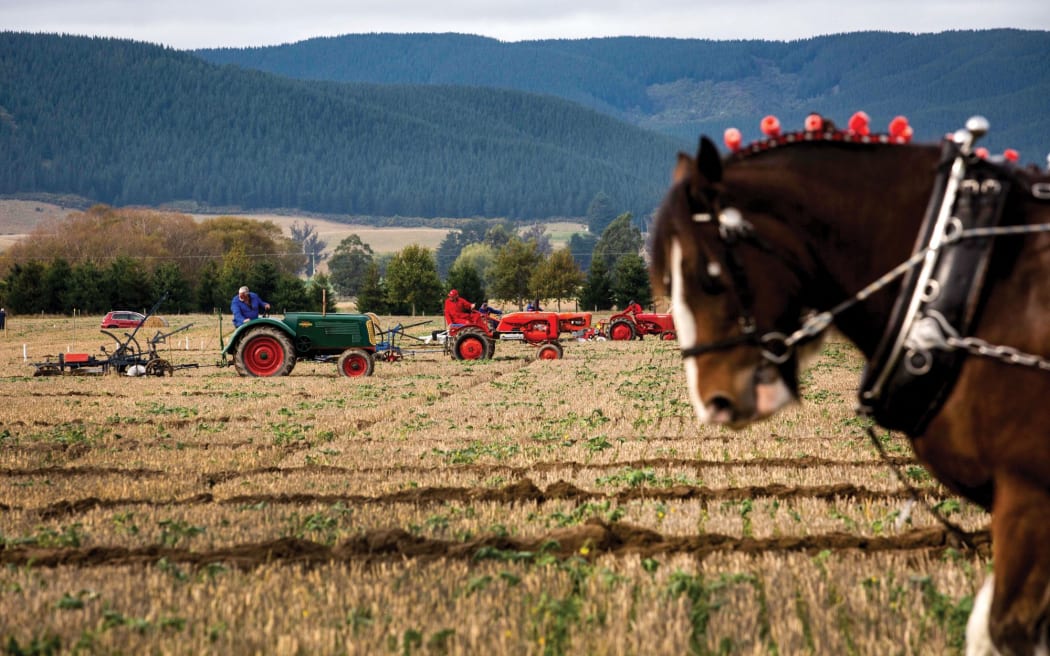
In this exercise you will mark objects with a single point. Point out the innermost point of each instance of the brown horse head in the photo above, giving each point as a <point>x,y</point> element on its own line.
<point>733,297</point>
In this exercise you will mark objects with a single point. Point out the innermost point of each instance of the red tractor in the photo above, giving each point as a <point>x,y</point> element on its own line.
<point>573,322</point>
<point>476,339</point>
<point>628,325</point>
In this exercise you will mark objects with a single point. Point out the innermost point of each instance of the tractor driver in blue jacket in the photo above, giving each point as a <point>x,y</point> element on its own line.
<point>492,315</point>
<point>246,305</point>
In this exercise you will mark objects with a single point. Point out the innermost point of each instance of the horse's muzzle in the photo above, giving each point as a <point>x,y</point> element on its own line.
<point>762,393</point>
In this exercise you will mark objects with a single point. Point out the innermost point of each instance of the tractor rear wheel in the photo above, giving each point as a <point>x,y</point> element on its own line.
<point>356,362</point>
<point>470,345</point>
<point>264,352</point>
<point>621,330</point>
<point>551,351</point>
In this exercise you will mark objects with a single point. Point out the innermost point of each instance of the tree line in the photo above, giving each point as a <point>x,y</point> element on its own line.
<point>107,258</point>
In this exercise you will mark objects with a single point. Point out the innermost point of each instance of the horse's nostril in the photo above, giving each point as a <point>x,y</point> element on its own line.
<point>719,408</point>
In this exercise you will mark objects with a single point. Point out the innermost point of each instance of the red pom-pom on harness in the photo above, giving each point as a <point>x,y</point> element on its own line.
<point>817,128</point>
<point>900,131</point>
<point>771,126</point>
<point>859,124</point>
<point>732,138</point>
<point>981,152</point>
<point>1011,155</point>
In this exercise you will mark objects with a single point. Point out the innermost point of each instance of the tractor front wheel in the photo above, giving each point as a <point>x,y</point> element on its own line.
<point>264,352</point>
<point>470,346</point>
<point>621,330</point>
<point>668,336</point>
<point>551,351</point>
<point>356,362</point>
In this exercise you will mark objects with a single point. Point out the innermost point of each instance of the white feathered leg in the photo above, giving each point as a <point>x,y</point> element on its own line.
<point>978,637</point>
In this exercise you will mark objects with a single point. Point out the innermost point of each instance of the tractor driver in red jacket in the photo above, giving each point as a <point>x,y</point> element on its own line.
<point>457,309</point>
<point>633,308</point>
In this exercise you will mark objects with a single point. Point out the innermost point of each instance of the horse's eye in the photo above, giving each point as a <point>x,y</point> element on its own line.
<point>710,278</point>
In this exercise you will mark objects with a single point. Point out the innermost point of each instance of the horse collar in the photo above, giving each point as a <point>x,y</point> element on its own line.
<point>911,375</point>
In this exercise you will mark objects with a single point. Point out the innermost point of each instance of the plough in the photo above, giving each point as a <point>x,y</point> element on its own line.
<point>126,358</point>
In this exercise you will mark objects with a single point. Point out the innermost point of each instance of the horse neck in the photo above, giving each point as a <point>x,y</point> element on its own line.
<point>856,213</point>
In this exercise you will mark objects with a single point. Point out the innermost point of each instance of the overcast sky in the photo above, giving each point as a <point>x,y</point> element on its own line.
<point>188,24</point>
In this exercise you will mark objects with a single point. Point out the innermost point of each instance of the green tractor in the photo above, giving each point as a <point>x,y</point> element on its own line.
<point>271,347</point>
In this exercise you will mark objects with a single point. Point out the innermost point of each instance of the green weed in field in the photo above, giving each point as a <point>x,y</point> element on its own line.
<point>183,412</point>
<point>499,451</point>
<point>705,597</point>
<point>173,531</point>
<point>323,524</point>
<point>44,645</point>
<point>950,615</point>
<point>47,537</point>
<point>289,432</point>
<point>585,511</point>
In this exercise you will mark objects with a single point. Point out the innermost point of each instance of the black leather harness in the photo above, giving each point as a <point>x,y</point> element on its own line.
<point>909,378</point>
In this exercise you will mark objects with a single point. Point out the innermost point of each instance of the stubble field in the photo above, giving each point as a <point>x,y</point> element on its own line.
<point>501,507</point>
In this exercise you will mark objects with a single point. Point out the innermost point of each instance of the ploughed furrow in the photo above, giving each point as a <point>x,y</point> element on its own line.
<point>524,491</point>
<point>57,472</point>
<point>212,478</point>
<point>595,538</point>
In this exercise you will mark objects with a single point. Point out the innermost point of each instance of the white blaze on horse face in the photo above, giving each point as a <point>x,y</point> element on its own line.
<point>685,327</point>
<point>770,394</point>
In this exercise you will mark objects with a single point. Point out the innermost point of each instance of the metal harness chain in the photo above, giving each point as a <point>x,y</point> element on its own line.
<point>817,324</point>
<point>964,537</point>
<point>1007,354</point>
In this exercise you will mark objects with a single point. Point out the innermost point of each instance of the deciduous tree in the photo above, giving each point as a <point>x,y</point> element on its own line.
<point>464,278</point>
<point>557,277</point>
<point>480,257</point>
<point>412,281</point>
<point>512,271</point>
<point>348,265</point>
<point>619,239</point>
<point>305,234</point>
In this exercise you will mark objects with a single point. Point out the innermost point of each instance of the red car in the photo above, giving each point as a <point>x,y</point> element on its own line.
<point>127,319</point>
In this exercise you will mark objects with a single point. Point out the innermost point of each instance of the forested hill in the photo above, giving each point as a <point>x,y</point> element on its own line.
<point>687,87</point>
<point>128,123</point>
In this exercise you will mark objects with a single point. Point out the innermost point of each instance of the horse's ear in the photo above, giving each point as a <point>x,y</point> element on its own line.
<point>683,169</point>
<point>709,161</point>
